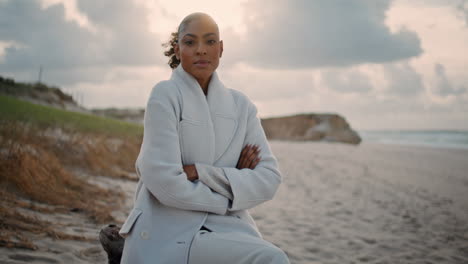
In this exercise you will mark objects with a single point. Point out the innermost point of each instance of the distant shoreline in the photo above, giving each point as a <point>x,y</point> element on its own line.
<point>409,144</point>
<point>414,130</point>
<point>452,139</point>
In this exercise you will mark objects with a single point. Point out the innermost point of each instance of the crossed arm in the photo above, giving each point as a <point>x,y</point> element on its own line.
<point>215,177</point>
<point>159,166</point>
<point>254,180</point>
<point>248,159</point>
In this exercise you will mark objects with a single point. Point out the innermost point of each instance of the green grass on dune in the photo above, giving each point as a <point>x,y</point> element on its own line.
<point>12,109</point>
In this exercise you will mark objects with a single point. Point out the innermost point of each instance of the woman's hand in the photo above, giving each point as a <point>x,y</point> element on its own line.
<point>191,172</point>
<point>249,157</point>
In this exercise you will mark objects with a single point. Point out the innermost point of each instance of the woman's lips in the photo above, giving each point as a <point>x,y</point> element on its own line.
<point>202,63</point>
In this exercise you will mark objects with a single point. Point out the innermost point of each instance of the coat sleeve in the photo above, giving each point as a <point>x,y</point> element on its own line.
<point>215,178</point>
<point>248,187</point>
<point>159,163</point>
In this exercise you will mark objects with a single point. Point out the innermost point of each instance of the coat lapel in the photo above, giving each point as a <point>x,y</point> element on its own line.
<point>194,103</point>
<point>217,109</point>
<point>223,114</point>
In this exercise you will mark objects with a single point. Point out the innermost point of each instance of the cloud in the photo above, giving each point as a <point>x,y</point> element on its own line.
<point>120,86</point>
<point>268,85</point>
<point>402,79</point>
<point>45,37</point>
<point>462,7</point>
<point>387,81</point>
<point>444,86</point>
<point>306,34</point>
<point>350,81</point>
<point>355,57</point>
<point>125,25</point>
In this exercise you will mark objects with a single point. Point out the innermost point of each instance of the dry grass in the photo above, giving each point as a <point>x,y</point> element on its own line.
<point>37,164</point>
<point>113,157</point>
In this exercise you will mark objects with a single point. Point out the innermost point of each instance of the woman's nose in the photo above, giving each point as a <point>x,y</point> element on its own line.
<point>201,50</point>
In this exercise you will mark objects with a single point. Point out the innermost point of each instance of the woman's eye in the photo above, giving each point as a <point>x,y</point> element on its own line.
<point>188,42</point>
<point>211,41</point>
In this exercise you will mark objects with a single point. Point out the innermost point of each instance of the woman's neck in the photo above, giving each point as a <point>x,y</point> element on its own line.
<point>204,84</point>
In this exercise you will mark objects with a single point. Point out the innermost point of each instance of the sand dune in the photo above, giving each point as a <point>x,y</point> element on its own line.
<point>338,204</point>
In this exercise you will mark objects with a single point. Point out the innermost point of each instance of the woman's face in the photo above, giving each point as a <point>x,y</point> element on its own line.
<point>199,48</point>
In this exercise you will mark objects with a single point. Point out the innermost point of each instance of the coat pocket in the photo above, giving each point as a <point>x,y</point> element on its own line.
<point>196,142</point>
<point>131,219</point>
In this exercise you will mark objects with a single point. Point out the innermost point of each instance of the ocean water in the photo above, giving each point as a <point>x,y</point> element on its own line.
<point>430,138</point>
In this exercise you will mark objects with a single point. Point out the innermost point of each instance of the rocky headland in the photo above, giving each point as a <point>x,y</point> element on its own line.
<point>310,127</point>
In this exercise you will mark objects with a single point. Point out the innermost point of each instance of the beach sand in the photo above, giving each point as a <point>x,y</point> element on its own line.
<point>369,204</point>
<point>338,203</point>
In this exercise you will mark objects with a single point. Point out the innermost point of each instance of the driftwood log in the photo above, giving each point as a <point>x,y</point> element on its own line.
<point>112,243</point>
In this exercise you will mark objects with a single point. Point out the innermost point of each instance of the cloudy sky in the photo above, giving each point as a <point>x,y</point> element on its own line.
<point>382,64</point>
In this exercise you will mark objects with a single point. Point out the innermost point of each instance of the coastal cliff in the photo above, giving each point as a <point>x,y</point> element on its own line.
<point>310,127</point>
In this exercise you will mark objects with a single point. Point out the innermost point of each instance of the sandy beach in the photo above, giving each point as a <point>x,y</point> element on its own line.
<point>338,203</point>
<point>369,204</point>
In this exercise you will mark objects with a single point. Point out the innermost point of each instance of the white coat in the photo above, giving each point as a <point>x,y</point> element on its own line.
<point>183,126</point>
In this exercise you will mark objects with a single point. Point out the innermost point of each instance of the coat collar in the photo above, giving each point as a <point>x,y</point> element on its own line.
<point>217,108</point>
<point>218,100</point>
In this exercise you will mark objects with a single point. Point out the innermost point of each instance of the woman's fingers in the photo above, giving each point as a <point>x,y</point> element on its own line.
<point>253,157</point>
<point>249,157</point>
<point>243,157</point>
<point>255,163</point>
<point>240,162</point>
<point>191,172</point>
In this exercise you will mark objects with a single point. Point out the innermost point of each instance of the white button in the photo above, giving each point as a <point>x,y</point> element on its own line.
<point>144,235</point>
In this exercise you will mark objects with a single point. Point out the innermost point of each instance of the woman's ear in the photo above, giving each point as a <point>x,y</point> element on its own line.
<point>221,48</point>
<point>177,50</point>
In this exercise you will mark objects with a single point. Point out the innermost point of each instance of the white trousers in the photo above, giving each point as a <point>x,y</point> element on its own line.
<point>233,247</point>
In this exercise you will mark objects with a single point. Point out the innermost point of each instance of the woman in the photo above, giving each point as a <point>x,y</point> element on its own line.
<point>203,162</point>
